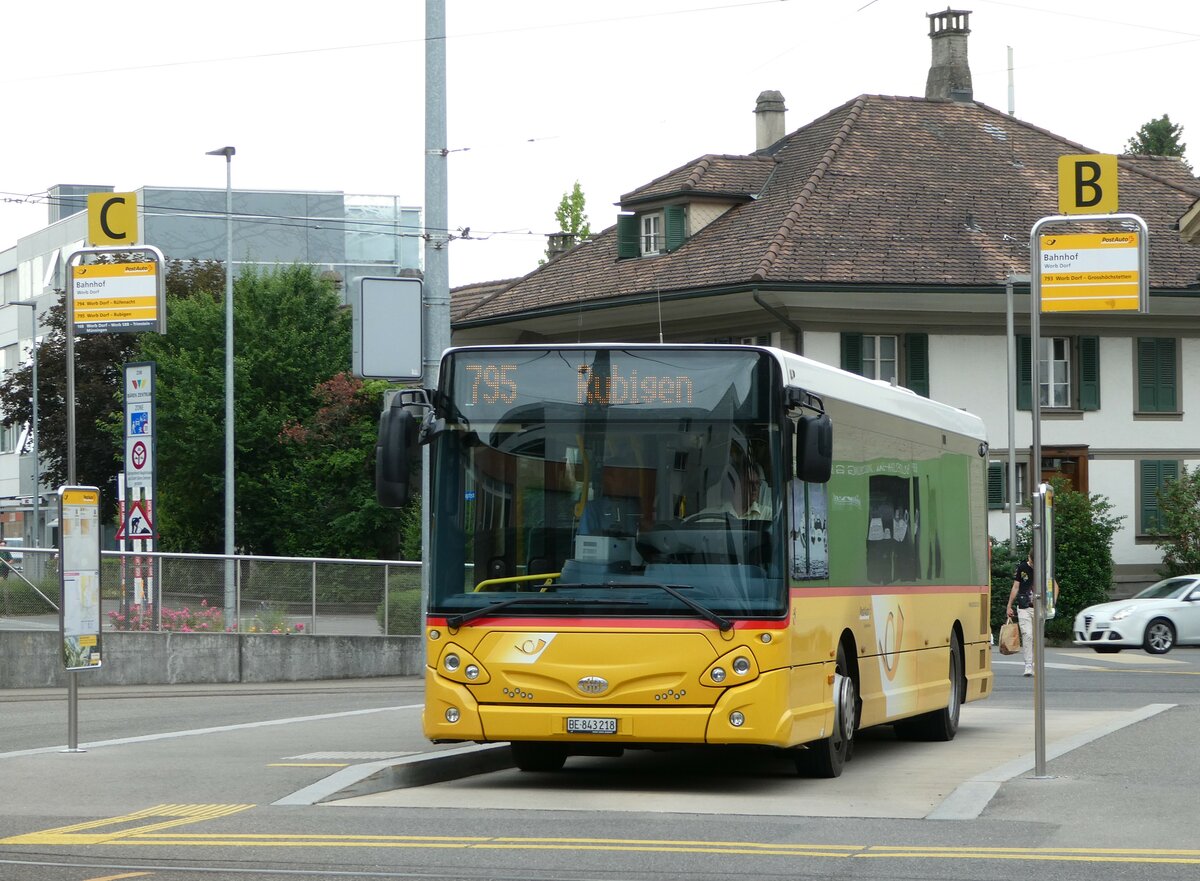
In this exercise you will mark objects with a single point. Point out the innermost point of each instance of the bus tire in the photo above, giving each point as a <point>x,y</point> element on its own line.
<point>825,758</point>
<point>538,756</point>
<point>940,725</point>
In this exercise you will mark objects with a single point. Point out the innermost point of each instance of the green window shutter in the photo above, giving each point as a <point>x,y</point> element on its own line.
<point>852,348</point>
<point>1089,373</point>
<point>1155,473</point>
<point>1156,375</point>
<point>1166,375</point>
<point>627,236</point>
<point>1024,373</point>
<point>916,362</point>
<point>995,486</point>
<point>1149,493</point>
<point>673,220</point>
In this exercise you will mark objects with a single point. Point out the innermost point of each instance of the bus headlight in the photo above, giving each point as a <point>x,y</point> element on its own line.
<point>459,665</point>
<point>451,714</point>
<point>736,719</point>
<point>741,666</point>
<point>718,674</point>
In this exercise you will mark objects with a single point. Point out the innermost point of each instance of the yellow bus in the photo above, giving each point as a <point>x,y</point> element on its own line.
<point>643,546</point>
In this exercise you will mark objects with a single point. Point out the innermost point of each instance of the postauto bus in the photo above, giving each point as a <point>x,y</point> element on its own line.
<point>644,546</point>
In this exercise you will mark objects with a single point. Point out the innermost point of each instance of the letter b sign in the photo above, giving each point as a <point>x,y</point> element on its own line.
<point>1087,184</point>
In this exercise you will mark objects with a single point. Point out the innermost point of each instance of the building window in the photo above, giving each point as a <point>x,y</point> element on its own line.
<point>1054,371</point>
<point>1068,373</point>
<point>1153,474</point>
<point>1157,373</point>
<point>879,357</point>
<point>997,486</point>
<point>903,359</point>
<point>651,234</point>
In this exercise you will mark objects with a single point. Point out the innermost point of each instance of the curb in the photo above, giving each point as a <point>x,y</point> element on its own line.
<point>416,770</point>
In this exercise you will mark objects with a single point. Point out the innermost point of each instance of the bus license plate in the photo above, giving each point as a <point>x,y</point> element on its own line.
<point>576,725</point>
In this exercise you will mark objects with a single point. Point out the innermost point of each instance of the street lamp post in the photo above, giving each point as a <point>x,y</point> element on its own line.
<point>230,599</point>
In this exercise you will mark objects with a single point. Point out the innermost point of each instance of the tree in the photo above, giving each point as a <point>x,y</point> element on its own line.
<point>572,219</point>
<point>99,408</point>
<point>1178,535</point>
<point>1158,137</point>
<point>335,473</point>
<point>98,361</point>
<point>290,335</point>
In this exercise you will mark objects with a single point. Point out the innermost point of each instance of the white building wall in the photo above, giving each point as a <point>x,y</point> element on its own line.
<point>970,371</point>
<point>10,463</point>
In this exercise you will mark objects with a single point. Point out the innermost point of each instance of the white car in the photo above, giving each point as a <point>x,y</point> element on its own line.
<point>1162,616</point>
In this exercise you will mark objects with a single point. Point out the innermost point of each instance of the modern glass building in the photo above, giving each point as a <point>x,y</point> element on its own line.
<point>347,236</point>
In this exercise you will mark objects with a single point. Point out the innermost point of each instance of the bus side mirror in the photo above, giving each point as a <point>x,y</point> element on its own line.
<point>814,448</point>
<point>393,456</point>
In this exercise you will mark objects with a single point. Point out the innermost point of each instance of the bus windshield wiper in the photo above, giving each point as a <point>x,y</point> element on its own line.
<point>704,612</point>
<point>456,621</point>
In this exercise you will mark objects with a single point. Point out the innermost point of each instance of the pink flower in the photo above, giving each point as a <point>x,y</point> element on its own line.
<point>299,628</point>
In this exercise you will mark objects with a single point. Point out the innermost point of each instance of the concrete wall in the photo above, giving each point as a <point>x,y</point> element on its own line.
<point>32,659</point>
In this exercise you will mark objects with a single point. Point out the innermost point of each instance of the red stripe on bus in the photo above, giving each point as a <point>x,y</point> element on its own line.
<point>614,623</point>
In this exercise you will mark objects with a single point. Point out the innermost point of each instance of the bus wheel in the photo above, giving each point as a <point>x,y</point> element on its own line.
<point>827,757</point>
<point>538,756</point>
<point>940,725</point>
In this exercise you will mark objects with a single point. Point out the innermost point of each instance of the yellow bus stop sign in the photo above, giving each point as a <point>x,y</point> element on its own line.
<point>112,219</point>
<point>1090,272</point>
<point>1087,184</point>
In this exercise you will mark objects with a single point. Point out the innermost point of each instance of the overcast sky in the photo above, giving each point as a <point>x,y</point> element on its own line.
<point>540,94</point>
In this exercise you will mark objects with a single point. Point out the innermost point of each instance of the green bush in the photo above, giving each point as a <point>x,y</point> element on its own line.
<point>1178,536</point>
<point>1004,564</point>
<point>403,613</point>
<point>1083,533</point>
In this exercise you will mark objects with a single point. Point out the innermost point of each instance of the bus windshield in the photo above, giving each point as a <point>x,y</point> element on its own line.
<point>599,482</point>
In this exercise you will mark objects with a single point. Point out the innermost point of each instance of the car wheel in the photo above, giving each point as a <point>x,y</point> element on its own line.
<point>1106,649</point>
<point>827,757</point>
<point>940,725</point>
<point>538,756</point>
<point>1160,636</point>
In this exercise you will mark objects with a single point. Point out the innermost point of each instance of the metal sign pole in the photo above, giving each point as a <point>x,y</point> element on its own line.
<point>1035,380</point>
<point>1042,549</point>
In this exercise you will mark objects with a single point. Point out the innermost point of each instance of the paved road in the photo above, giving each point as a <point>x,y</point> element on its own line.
<point>208,775</point>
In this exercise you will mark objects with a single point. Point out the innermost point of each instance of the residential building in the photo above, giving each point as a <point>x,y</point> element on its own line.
<point>882,237</point>
<point>347,236</point>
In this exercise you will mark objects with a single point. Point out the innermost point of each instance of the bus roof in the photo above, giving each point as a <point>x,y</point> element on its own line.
<point>823,380</point>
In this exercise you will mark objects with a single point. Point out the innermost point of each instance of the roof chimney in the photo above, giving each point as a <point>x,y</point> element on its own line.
<point>949,75</point>
<point>768,127</point>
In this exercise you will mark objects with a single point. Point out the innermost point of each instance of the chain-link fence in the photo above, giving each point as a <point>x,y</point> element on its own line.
<point>214,593</point>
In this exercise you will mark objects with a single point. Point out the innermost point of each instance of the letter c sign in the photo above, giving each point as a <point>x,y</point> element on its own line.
<point>1087,184</point>
<point>112,219</point>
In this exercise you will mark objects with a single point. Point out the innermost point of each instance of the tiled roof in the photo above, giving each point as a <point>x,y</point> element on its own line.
<point>730,176</point>
<point>465,298</point>
<point>879,192</point>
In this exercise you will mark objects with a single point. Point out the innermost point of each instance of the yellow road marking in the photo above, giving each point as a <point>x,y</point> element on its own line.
<point>80,833</point>
<point>132,829</point>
